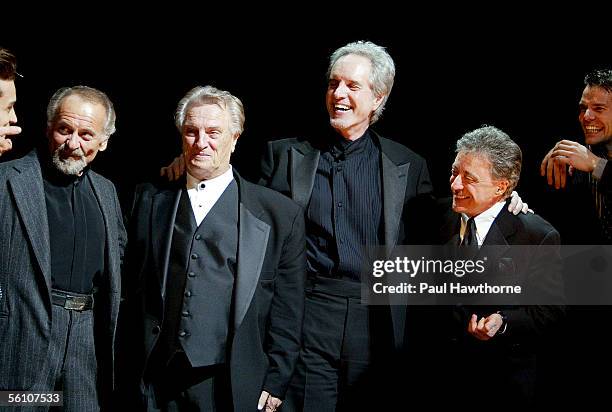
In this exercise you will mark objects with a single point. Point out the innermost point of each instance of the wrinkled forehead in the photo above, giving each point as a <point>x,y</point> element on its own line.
<point>471,161</point>
<point>352,65</point>
<point>199,114</point>
<point>83,112</point>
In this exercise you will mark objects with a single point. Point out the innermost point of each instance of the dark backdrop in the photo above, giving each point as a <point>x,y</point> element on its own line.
<point>450,79</point>
<point>528,87</point>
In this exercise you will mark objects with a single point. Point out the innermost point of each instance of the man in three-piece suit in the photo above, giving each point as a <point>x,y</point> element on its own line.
<point>216,267</point>
<point>61,245</point>
<point>489,352</point>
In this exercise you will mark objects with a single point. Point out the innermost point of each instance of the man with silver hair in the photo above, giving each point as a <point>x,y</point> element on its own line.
<point>218,265</point>
<point>61,246</point>
<point>356,188</point>
<point>491,352</point>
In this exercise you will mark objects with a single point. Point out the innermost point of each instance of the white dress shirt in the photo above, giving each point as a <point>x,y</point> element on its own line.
<point>483,221</point>
<point>204,194</point>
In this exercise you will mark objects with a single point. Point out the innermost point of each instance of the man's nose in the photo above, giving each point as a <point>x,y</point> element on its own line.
<point>341,90</point>
<point>202,141</point>
<point>12,116</point>
<point>73,141</point>
<point>456,183</point>
<point>589,115</point>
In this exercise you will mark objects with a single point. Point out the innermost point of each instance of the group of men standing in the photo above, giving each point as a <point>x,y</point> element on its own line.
<point>233,296</point>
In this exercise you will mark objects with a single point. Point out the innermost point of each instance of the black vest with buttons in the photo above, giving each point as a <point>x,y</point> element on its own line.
<point>200,281</point>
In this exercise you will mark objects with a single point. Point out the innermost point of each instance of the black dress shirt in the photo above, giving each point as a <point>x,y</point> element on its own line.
<point>76,231</point>
<point>344,213</point>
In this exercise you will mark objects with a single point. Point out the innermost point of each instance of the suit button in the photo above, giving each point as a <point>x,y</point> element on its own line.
<point>198,237</point>
<point>182,334</point>
<point>191,274</point>
<point>194,256</point>
<point>156,329</point>
<point>339,204</point>
<point>339,168</point>
<point>185,313</point>
<point>188,293</point>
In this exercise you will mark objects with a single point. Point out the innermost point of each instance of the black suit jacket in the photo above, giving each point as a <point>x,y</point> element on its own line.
<point>290,166</point>
<point>268,296</point>
<point>508,359</point>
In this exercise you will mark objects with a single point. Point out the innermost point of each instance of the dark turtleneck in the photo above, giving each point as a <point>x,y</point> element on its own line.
<point>76,230</point>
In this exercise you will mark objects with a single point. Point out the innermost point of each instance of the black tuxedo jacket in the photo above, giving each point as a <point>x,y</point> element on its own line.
<point>508,359</point>
<point>290,166</point>
<point>268,297</point>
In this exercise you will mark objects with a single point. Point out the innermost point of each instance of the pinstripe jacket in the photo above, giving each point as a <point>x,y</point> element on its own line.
<point>25,275</point>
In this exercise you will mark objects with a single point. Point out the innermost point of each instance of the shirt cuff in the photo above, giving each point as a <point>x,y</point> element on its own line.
<point>599,168</point>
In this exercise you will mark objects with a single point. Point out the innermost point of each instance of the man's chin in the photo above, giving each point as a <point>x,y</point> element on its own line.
<point>69,167</point>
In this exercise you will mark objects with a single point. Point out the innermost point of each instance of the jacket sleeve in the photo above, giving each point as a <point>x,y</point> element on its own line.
<point>287,311</point>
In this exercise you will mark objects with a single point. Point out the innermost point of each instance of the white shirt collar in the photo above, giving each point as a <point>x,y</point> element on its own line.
<point>221,181</point>
<point>204,194</point>
<point>483,221</point>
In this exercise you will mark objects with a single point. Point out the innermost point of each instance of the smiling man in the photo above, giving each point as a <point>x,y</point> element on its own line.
<point>357,189</point>
<point>8,97</point>
<point>591,161</point>
<point>491,350</point>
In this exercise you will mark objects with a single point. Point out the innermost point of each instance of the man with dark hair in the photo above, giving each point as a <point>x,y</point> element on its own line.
<point>8,97</point>
<point>61,246</point>
<point>584,217</point>
<point>592,161</point>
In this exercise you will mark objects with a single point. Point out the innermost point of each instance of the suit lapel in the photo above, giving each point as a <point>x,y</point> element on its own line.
<point>27,187</point>
<point>394,181</point>
<point>303,169</point>
<point>253,234</point>
<point>501,230</point>
<point>163,214</point>
<point>104,201</point>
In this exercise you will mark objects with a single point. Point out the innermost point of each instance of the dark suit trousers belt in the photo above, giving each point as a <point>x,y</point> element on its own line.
<point>71,300</point>
<point>333,286</point>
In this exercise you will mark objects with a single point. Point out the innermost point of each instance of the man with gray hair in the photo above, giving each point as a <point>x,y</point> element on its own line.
<point>218,265</point>
<point>357,189</point>
<point>61,246</point>
<point>492,349</point>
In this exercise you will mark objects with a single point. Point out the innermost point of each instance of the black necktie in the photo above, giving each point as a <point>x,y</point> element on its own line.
<point>469,236</point>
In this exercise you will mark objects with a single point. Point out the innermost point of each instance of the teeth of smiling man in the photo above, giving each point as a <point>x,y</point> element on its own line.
<point>342,107</point>
<point>592,129</point>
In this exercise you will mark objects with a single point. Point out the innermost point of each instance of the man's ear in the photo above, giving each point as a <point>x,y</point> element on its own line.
<point>103,145</point>
<point>234,141</point>
<point>378,101</point>
<point>502,186</point>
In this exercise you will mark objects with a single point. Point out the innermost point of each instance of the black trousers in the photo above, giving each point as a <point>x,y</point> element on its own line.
<point>345,359</point>
<point>181,387</point>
